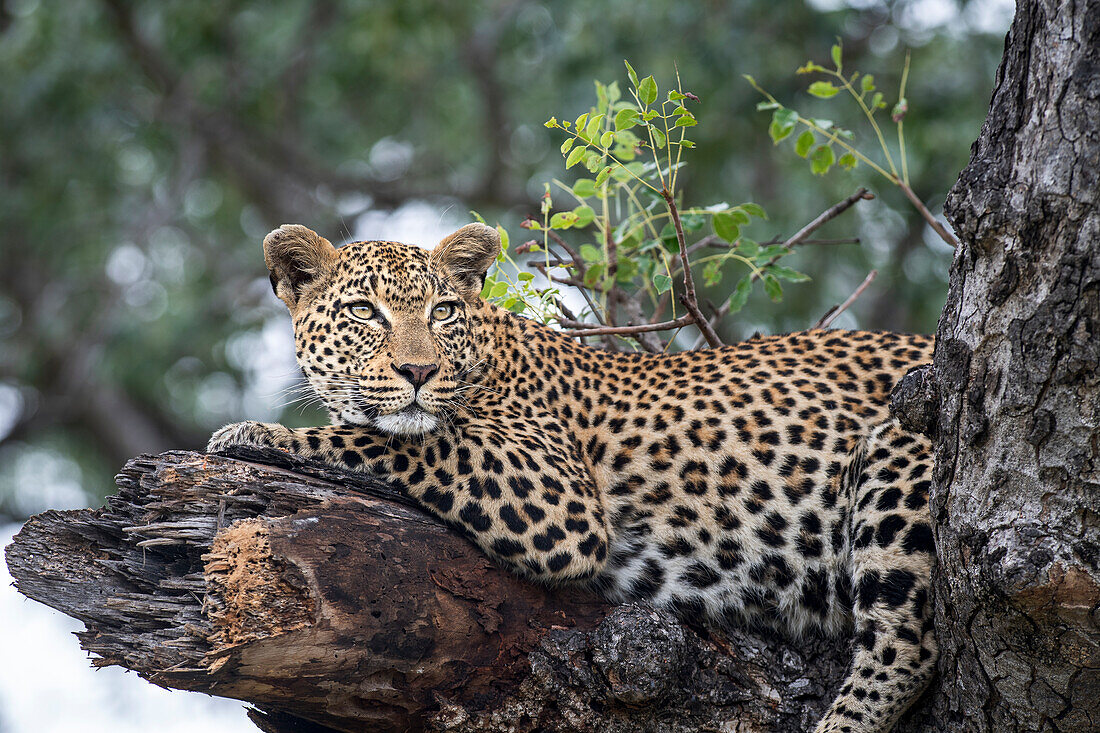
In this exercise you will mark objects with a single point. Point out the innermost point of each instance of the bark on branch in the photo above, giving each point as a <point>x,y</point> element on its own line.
<point>330,602</point>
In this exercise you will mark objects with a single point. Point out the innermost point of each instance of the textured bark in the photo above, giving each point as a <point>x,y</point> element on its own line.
<point>330,602</point>
<point>1016,497</point>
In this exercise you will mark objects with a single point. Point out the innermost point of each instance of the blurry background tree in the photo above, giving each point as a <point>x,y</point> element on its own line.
<point>146,148</point>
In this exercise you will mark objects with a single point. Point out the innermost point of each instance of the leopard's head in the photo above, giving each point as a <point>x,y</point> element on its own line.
<point>388,334</point>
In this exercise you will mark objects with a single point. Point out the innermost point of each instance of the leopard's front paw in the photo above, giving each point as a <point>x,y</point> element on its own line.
<point>263,435</point>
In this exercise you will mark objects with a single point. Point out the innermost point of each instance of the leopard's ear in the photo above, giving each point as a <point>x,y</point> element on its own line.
<point>296,257</point>
<point>466,257</point>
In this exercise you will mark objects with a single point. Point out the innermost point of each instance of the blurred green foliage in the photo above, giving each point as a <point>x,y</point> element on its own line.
<point>147,147</point>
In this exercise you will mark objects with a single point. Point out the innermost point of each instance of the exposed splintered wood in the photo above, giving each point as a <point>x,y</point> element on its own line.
<point>330,602</point>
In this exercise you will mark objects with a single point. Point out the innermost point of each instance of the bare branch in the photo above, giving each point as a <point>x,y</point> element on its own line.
<point>799,237</point>
<point>688,298</point>
<point>933,222</point>
<point>834,312</point>
<point>715,242</point>
<point>587,329</point>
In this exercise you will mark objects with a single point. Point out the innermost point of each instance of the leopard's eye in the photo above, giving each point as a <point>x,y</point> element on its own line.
<point>361,311</point>
<point>443,311</point>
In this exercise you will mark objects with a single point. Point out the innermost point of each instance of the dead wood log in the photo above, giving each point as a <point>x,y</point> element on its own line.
<point>330,602</point>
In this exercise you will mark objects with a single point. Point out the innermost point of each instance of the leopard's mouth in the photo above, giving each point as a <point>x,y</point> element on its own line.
<point>412,419</point>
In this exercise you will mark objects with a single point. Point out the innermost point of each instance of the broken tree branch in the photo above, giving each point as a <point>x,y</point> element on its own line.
<point>329,601</point>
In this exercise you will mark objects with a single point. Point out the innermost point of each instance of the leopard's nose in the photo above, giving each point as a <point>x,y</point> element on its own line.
<point>417,374</point>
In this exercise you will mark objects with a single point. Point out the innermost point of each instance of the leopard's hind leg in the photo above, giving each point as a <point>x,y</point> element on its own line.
<point>891,562</point>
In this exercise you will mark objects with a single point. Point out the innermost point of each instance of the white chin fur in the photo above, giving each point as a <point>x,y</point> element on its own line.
<point>407,422</point>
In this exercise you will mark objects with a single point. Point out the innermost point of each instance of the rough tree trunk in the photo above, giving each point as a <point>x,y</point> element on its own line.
<point>329,602</point>
<point>1016,497</point>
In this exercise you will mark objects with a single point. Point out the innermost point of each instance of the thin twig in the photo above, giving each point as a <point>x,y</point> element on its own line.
<point>800,237</point>
<point>688,297</point>
<point>587,329</point>
<point>933,222</point>
<point>830,213</point>
<point>715,242</point>
<point>834,312</point>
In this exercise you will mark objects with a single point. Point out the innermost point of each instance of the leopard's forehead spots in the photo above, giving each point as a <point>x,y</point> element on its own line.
<point>398,275</point>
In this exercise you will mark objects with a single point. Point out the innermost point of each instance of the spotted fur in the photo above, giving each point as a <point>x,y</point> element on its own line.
<point>761,483</point>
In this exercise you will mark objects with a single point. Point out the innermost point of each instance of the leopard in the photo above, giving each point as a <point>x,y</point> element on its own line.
<point>763,483</point>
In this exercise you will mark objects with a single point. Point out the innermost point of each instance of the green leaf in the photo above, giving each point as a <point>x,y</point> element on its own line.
<point>626,271</point>
<point>581,122</point>
<point>773,288</point>
<point>804,143</point>
<point>503,237</point>
<point>613,93</point>
<point>810,67</point>
<point>477,216</point>
<point>687,143</point>
<point>725,227</point>
<point>675,96</point>
<point>754,210</point>
<point>823,89</point>
<point>772,250</point>
<point>602,175</point>
<point>593,126</point>
<point>847,161</point>
<point>662,282</point>
<point>739,216</point>
<point>783,122</point>
<point>487,288</point>
<point>867,84</point>
<point>563,220</point>
<point>685,121</point>
<point>606,139</point>
<point>499,290</point>
<point>525,276</point>
<point>836,56</point>
<point>565,146</point>
<point>584,187</point>
<point>748,248</point>
<point>551,123</point>
<point>658,138</point>
<point>626,118</point>
<point>591,253</point>
<point>822,160</point>
<point>647,90</point>
<point>787,273</point>
<point>692,222</point>
<point>740,294</point>
<point>877,101</point>
<point>585,215</point>
<point>575,157</point>
<point>631,73</point>
<point>593,161</point>
<point>601,96</point>
<point>594,274</point>
<point>712,273</point>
